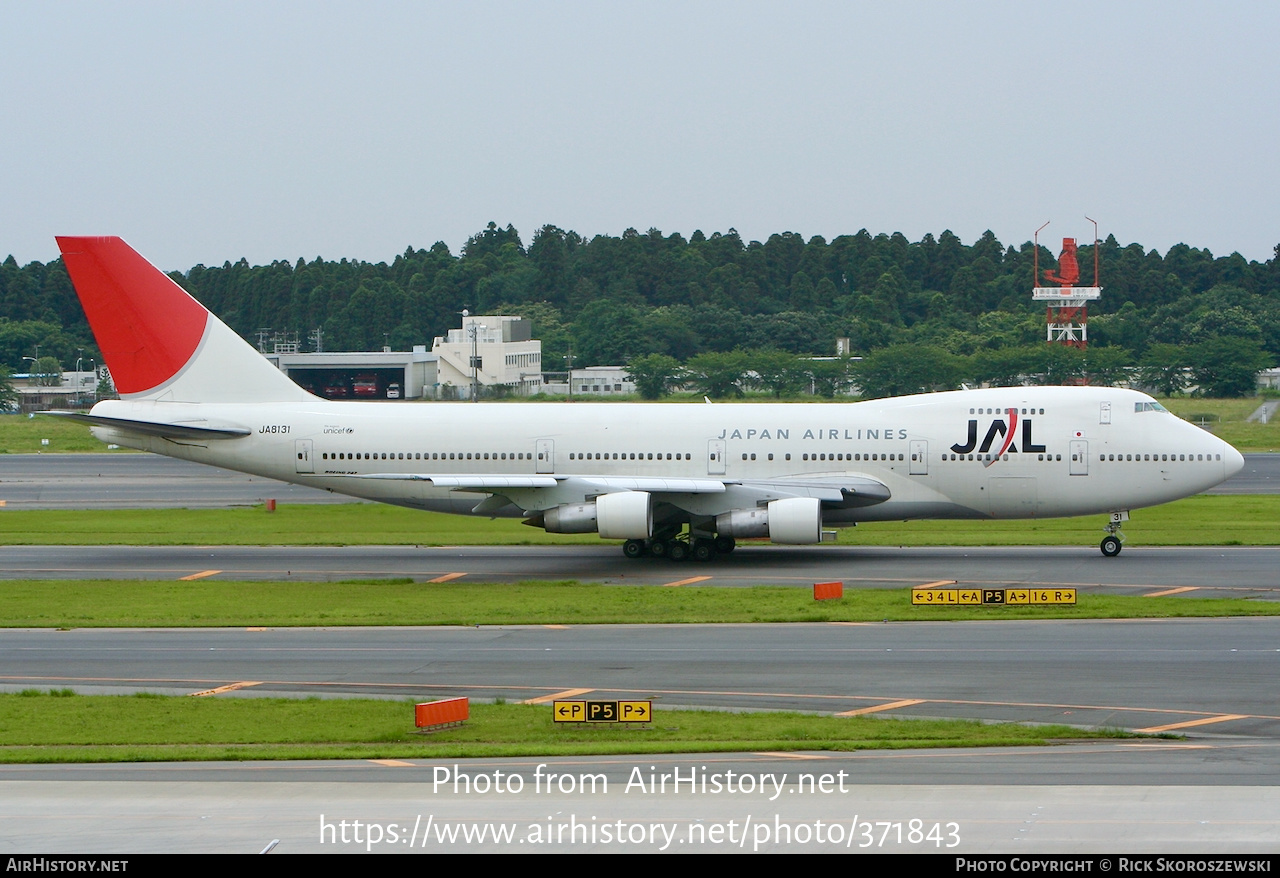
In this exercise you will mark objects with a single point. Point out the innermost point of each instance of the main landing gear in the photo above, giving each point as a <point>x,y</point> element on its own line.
<point>1113,542</point>
<point>679,547</point>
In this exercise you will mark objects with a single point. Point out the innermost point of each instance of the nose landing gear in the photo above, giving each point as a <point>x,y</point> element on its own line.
<point>1113,542</point>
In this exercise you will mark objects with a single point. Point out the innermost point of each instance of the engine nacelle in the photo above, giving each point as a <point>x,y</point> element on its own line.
<point>743,523</point>
<point>796,520</point>
<point>625,515</point>
<point>570,518</point>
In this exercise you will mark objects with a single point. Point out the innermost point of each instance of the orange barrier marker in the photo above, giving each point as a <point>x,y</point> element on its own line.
<point>271,505</point>
<point>441,714</point>
<point>828,591</point>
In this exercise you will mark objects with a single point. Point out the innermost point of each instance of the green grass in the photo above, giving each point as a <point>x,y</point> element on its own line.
<point>1226,419</point>
<point>210,603</point>
<point>20,434</point>
<point>44,727</point>
<point>1196,521</point>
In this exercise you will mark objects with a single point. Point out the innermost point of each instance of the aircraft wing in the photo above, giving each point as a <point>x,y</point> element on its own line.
<point>845,490</point>
<point>587,484</point>
<point>479,482</point>
<point>534,492</point>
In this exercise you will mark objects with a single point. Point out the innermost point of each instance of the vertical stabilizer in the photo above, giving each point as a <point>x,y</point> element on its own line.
<point>159,343</point>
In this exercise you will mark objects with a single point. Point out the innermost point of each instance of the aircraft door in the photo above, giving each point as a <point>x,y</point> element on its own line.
<point>546,456</point>
<point>1104,413</point>
<point>302,456</point>
<point>1079,457</point>
<point>715,457</point>
<point>919,458</point>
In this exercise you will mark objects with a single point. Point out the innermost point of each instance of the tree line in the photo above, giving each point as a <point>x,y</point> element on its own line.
<point>965,309</point>
<point>1219,367</point>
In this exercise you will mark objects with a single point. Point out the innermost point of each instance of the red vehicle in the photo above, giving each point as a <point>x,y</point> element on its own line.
<point>365,385</point>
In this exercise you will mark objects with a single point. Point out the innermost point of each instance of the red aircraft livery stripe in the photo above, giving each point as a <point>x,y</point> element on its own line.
<point>146,325</point>
<point>1008,437</point>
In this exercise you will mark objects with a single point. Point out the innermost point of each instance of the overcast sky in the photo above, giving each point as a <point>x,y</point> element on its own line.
<point>202,132</point>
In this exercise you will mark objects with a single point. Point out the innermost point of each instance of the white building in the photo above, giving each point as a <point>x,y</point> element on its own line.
<point>76,390</point>
<point>594,381</point>
<point>494,351</point>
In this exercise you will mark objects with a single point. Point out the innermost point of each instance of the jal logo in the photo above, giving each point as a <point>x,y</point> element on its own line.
<point>1002,430</point>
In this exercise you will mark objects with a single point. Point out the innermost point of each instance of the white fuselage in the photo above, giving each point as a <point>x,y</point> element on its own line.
<point>1066,450</point>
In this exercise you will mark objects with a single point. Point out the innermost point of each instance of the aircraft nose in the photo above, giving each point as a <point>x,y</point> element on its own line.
<point>1232,461</point>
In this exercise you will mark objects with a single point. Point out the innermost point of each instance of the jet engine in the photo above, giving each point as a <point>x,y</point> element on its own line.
<point>625,515</point>
<point>795,520</point>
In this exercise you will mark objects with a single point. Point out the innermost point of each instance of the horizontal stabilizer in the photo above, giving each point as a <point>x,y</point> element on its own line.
<point>200,429</point>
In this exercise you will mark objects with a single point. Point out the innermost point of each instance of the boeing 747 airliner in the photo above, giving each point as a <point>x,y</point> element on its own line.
<point>672,480</point>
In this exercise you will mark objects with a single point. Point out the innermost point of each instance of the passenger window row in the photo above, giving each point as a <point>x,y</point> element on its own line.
<point>1003,411</point>
<point>988,457</point>
<point>1172,458</point>
<point>623,455</point>
<point>852,457</point>
<point>423,455</point>
<point>1045,457</point>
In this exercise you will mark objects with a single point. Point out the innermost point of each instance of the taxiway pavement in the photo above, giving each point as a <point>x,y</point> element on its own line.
<point>1217,791</point>
<point>1196,571</point>
<point>124,480</point>
<point>1214,681</point>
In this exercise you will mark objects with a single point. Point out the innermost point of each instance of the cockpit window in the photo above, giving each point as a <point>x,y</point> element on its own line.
<point>1149,407</point>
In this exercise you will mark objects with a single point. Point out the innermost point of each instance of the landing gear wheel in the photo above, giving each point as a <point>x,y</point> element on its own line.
<point>659,548</point>
<point>1114,540</point>
<point>678,551</point>
<point>725,545</point>
<point>633,548</point>
<point>704,550</point>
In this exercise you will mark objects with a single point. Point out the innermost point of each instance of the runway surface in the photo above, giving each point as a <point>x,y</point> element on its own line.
<point>1236,571</point>
<point>124,480</point>
<point>1261,475</point>
<point>1219,672</point>
<point>131,481</point>
<point>1214,681</point>
<point>1122,798</point>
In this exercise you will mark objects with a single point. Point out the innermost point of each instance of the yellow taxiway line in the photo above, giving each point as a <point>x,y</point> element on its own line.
<point>892,705</point>
<point>690,581</point>
<point>558,696</point>
<point>230,688</point>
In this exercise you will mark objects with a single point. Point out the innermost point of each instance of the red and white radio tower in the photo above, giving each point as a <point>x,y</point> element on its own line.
<point>1066,317</point>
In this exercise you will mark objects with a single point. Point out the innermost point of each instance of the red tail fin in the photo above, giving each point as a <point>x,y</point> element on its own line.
<point>146,325</point>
